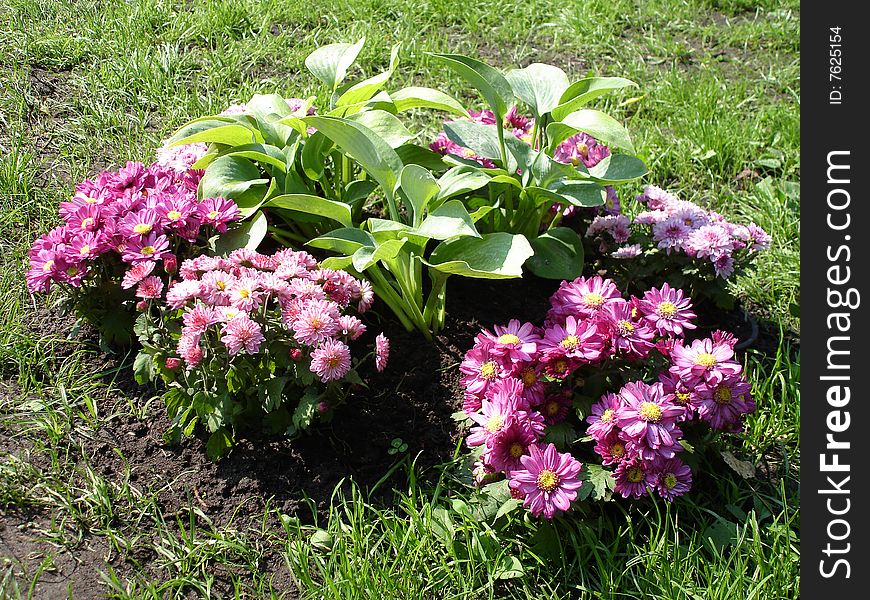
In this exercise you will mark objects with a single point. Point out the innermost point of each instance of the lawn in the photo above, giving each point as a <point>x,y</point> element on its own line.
<point>88,85</point>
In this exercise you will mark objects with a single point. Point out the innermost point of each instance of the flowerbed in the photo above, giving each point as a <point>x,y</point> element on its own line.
<point>209,251</point>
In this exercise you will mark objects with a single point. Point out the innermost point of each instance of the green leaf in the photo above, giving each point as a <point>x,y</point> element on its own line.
<point>538,85</point>
<point>461,180</point>
<point>560,434</point>
<point>274,393</point>
<point>618,168</point>
<point>423,97</point>
<point>314,153</point>
<point>509,567</point>
<point>215,129</point>
<point>582,193</point>
<point>364,90</point>
<point>248,235</point>
<point>365,257</point>
<point>599,125</point>
<point>419,187</point>
<point>489,81</point>
<point>236,178</point>
<point>344,241</point>
<point>509,506</point>
<point>307,408</point>
<point>330,63</point>
<point>558,254</point>
<point>363,145</point>
<point>313,205</point>
<point>269,110</point>
<point>482,139</point>
<point>596,482</point>
<point>143,368</point>
<point>218,444</point>
<point>494,256</point>
<point>263,154</point>
<point>585,90</point>
<point>449,220</point>
<point>412,154</point>
<point>385,126</point>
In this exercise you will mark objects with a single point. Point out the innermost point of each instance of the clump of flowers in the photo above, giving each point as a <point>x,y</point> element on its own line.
<point>691,246</point>
<point>529,392</point>
<point>122,231</point>
<point>254,338</point>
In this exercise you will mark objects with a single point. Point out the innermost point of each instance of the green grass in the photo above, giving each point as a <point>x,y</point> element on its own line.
<point>88,85</point>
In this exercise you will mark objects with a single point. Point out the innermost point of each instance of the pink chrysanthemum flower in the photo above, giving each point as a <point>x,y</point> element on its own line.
<point>86,246</point>
<point>181,292</point>
<point>331,360</point>
<point>366,296</point>
<point>688,213</point>
<point>242,332</point>
<point>218,212</point>
<point>627,335</point>
<point>85,218</point>
<point>180,158</point>
<point>556,406</point>
<point>705,362</point>
<point>350,327</point>
<point>548,481</point>
<point>724,405</point>
<point>189,349</point>
<point>648,418</point>
<point>382,352</point>
<point>602,418</point>
<point>495,415</point>
<point>667,310</point>
<point>148,247</point>
<point>245,294</point>
<point>612,449</point>
<point>656,198</point>
<point>140,223</point>
<point>758,238</point>
<point>199,318</point>
<point>482,472</point>
<point>624,252</point>
<point>724,266</point>
<point>305,289</point>
<point>316,322</point>
<point>579,339</point>
<point>216,286</point>
<point>149,288</point>
<point>45,266</point>
<point>509,446</point>
<point>480,369</point>
<point>582,298</point>
<point>634,477</point>
<point>534,386</point>
<point>674,478</point>
<point>684,396</point>
<point>516,341</point>
<point>709,240</point>
<point>137,273</point>
<point>581,148</point>
<point>670,233</point>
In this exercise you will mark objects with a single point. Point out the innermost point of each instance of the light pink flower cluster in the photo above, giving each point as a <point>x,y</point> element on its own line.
<point>678,226</point>
<point>238,303</point>
<point>136,215</point>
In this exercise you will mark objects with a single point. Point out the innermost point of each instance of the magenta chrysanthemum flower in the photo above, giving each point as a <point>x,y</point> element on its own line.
<point>724,266</point>
<point>242,332</point>
<point>147,247</point>
<point>85,218</point>
<point>331,360</point>
<point>674,478</point>
<point>612,449</point>
<point>200,318</point>
<point>496,414</point>
<point>149,288</point>
<point>656,198</point>
<point>684,396</point>
<point>582,298</point>
<point>218,212</point>
<point>724,405</point>
<point>581,148</point>
<point>602,418</point>
<point>704,362</point>
<point>635,477</point>
<point>534,387</point>
<point>45,266</point>
<point>556,406</point>
<point>316,322</point>
<point>86,246</point>
<point>382,352</point>
<point>670,233</point>
<point>516,341</point>
<point>579,339</point>
<point>548,481</point>
<point>480,369</point>
<point>509,445</point>
<point>627,335</point>
<point>648,418</point>
<point>667,310</point>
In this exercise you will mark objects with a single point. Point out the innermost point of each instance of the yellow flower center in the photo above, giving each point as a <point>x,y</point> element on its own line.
<point>560,366</point>
<point>47,266</point>
<point>91,200</point>
<point>667,309</point>
<point>85,250</point>
<point>148,250</point>
<point>670,481</point>
<point>529,377</point>
<point>547,480</point>
<point>607,416</point>
<point>722,395</point>
<point>552,408</point>
<point>682,397</point>
<point>333,361</point>
<point>245,293</point>
<point>570,342</point>
<point>88,222</point>
<point>582,149</point>
<point>468,153</point>
<point>650,411</point>
<point>635,474</point>
<point>508,338</point>
<point>488,370</point>
<point>618,450</point>
<point>72,271</point>
<point>213,214</point>
<point>593,300</point>
<point>517,450</point>
<point>220,284</point>
<point>705,359</point>
<point>494,423</point>
<point>625,327</point>
<point>142,228</point>
<point>173,215</point>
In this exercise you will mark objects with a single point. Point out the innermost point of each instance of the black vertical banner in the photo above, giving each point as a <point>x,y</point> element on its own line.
<point>835,297</point>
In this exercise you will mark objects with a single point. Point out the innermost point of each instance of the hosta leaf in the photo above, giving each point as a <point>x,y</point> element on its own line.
<point>367,256</point>
<point>489,81</point>
<point>314,153</point>
<point>344,241</point>
<point>263,154</point>
<point>330,63</point>
<point>585,90</point>
<point>215,130</point>
<point>582,193</point>
<point>247,234</point>
<point>236,178</point>
<point>538,85</point>
<point>494,256</point>
<point>461,180</point>
<point>599,125</point>
<point>385,125</point>
<point>364,90</point>
<point>618,168</point>
<point>419,187</point>
<point>423,97</point>
<point>448,220</point>
<point>314,205</point>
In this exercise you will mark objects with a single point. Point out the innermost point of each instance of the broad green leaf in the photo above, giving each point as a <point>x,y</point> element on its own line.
<point>143,368</point>
<point>366,256</point>
<point>344,241</point>
<point>412,154</point>
<point>494,256</point>
<point>538,85</point>
<point>542,196</point>
<point>274,392</point>
<point>218,443</point>
<point>449,220</point>
<point>419,187</point>
<point>247,234</point>
<point>330,63</point>
<point>383,230</point>
<point>338,263</point>
<point>364,146</point>
<point>307,408</point>
<point>263,154</point>
<point>480,138</point>
<point>489,81</point>
<point>545,170</point>
<point>558,254</point>
<point>510,505</point>
<point>236,178</point>
<point>509,567</point>
<point>217,132</point>
<point>337,211</point>
<point>585,90</point>
<point>314,153</point>
<point>618,168</point>
<point>461,180</point>
<point>596,482</point>
<point>423,97</point>
<point>380,101</point>
<point>581,193</point>
<point>599,125</point>
<point>385,126</point>
<point>268,111</point>
<point>364,90</point>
